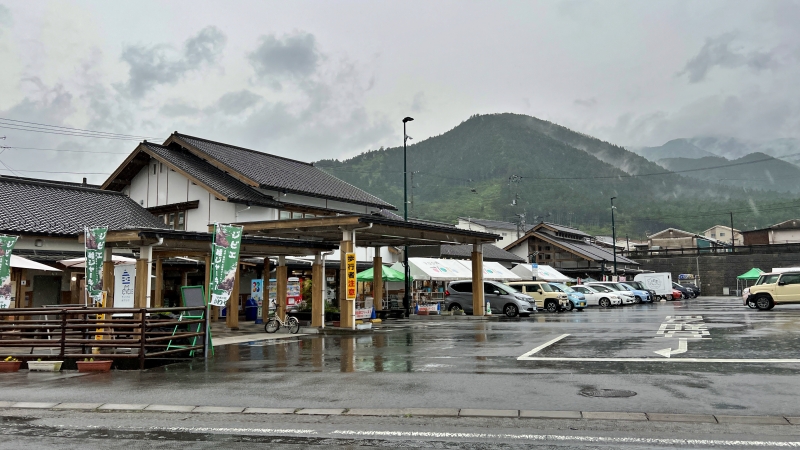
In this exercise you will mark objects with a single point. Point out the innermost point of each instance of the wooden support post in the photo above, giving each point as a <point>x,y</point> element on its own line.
<point>108,277</point>
<point>317,281</point>
<point>282,278</point>
<point>214,309</point>
<point>478,305</point>
<point>140,292</point>
<point>232,319</point>
<point>265,291</point>
<point>158,302</point>
<point>346,307</point>
<point>377,280</point>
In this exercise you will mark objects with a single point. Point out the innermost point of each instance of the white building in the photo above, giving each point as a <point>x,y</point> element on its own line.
<point>510,232</point>
<point>723,234</point>
<point>190,182</point>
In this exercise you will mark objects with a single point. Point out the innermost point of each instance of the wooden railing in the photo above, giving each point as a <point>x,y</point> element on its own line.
<point>104,333</point>
<point>738,250</point>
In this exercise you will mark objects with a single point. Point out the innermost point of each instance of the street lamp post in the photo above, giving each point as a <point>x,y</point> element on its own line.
<point>613,238</point>
<point>407,275</point>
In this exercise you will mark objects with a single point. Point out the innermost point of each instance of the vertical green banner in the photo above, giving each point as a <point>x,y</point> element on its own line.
<point>224,260</point>
<point>6,245</point>
<point>95,239</point>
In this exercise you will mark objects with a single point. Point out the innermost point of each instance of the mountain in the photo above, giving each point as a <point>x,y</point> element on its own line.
<point>500,165</point>
<point>676,148</point>
<point>753,171</point>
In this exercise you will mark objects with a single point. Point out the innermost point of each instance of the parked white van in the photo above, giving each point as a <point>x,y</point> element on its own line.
<point>661,283</point>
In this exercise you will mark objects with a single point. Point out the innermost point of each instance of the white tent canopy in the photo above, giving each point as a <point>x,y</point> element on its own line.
<point>544,273</point>
<point>493,271</point>
<point>81,262</point>
<point>24,263</point>
<point>435,269</point>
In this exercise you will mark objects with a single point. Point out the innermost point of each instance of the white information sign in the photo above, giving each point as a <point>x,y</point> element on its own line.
<point>124,281</point>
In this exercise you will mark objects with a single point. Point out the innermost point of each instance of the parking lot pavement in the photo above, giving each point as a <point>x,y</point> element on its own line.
<point>703,356</point>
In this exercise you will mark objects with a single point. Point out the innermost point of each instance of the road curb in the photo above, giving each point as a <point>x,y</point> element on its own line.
<point>409,412</point>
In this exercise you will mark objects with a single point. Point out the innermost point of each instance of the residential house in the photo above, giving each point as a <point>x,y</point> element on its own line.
<point>723,234</point>
<point>48,216</point>
<point>787,232</point>
<point>673,238</point>
<point>570,251</point>
<point>509,231</point>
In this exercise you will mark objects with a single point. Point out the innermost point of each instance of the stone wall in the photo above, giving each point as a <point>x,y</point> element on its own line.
<point>718,271</point>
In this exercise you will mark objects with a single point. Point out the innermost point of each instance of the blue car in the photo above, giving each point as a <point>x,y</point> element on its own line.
<point>576,299</point>
<point>641,296</point>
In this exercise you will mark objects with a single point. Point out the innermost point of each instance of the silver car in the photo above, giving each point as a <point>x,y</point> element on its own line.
<point>502,298</point>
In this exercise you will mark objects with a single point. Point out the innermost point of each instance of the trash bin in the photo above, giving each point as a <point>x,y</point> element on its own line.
<point>250,309</point>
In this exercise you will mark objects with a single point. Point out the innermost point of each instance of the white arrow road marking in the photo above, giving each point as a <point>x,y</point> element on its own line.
<point>682,347</point>
<point>541,347</point>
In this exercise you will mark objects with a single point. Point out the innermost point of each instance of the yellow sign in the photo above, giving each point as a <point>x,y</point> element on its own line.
<point>100,320</point>
<point>350,270</point>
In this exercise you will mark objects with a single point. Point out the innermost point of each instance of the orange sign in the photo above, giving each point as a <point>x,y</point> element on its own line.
<point>350,261</point>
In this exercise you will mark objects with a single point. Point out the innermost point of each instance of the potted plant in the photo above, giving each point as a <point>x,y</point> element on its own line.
<point>44,366</point>
<point>10,364</point>
<point>90,365</point>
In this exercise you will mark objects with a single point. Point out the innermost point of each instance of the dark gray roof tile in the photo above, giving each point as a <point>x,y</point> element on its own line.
<point>28,206</point>
<point>282,174</point>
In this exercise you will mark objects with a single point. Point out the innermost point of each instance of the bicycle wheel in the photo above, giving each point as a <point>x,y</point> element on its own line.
<point>272,326</point>
<point>294,325</point>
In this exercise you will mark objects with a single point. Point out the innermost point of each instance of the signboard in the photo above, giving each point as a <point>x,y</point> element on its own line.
<point>363,313</point>
<point>124,281</point>
<point>686,276</point>
<point>257,294</point>
<point>534,270</point>
<point>6,245</point>
<point>95,243</point>
<point>350,271</point>
<point>224,262</point>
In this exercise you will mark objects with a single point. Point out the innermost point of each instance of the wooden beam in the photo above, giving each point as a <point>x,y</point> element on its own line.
<point>158,302</point>
<point>304,224</point>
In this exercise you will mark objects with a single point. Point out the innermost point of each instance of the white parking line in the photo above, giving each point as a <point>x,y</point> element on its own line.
<point>527,357</point>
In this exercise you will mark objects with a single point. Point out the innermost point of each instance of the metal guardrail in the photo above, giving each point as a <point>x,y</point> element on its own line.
<point>116,333</point>
<point>738,250</point>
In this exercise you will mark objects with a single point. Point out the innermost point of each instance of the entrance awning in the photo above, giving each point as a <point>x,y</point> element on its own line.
<point>493,271</point>
<point>436,269</point>
<point>81,262</point>
<point>18,262</point>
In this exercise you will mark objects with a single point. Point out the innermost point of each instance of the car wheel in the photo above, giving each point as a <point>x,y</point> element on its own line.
<point>638,299</point>
<point>751,304</point>
<point>569,306</point>
<point>511,310</point>
<point>455,307</point>
<point>763,303</point>
<point>605,303</point>
<point>551,306</point>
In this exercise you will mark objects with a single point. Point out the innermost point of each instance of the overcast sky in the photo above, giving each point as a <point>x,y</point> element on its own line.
<point>330,79</point>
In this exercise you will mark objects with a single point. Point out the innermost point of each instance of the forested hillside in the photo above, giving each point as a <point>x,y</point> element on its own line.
<point>500,165</point>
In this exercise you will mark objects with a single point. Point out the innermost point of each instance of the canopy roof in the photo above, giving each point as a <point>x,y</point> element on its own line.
<point>389,274</point>
<point>544,273</point>
<point>24,263</point>
<point>436,269</point>
<point>751,274</point>
<point>81,262</point>
<point>493,271</point>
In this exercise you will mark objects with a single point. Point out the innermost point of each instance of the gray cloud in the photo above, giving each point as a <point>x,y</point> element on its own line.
<point>294,55</point>
<point>418,103</point>
<point>178,108</point>
<point>587,102</point>
<point>720,51</point>
<point>237,102</point>
<point>5,18</point>
<point>161,64</point>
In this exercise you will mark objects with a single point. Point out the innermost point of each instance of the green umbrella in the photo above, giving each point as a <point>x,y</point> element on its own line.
<point>389,274</point>
<point>751,274</point>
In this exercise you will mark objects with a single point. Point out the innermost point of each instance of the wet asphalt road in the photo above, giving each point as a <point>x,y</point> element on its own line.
<point>472,364</point>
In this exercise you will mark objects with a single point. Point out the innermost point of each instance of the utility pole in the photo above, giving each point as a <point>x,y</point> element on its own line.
<point>407,285</point>
<point>614,238</point>
<point>412,191</point>
<point>733,240</point>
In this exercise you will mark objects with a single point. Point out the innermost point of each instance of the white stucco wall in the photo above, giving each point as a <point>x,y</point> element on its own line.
<point>784,236</point>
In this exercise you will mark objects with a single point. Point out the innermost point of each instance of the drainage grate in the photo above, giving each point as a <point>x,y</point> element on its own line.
<point>606,393</point>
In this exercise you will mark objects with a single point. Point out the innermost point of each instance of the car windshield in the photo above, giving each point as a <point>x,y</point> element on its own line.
<point>562,287</point>
<point>627,286</point>
<point>635,285</point>
<point>768,279</point>
<point>547,288</point>
<point>601,288</point>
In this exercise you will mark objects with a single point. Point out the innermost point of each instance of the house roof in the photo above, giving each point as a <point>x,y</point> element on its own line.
<point>43,207</point>
<point>563,228</point>
<point>723,227</point>
<point>490,253</point>
<point>213,178</point>
<point>584,249</point>
<point>498,224</point>
<point>673,231</point>
<point>272,172</point>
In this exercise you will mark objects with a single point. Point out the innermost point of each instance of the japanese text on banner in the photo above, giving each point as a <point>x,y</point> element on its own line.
<point>6,245</point>
<point>95,239</point>
<point>350,270</point>
<point>224,261</point>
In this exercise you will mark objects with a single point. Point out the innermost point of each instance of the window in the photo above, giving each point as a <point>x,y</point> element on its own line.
<point>547,256</point>
<point>175,221</point>
<point>713,235</point>
<point>285,215</point>
<point>721,234</point>
<point>181,224</point>
<point>790,279</point>
<point>171,221</point>
<point>310,216</point>
<point>547,247</point>
<point>297,215</point>
<point>462,287</point>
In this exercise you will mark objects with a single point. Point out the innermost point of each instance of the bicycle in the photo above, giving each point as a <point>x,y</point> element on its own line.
<point>274,323</point>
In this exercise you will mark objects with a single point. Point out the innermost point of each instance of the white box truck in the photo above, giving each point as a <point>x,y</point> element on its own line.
<point>661,283</point>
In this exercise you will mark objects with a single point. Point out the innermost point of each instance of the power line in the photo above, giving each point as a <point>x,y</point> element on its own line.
<point>56,171</point>
<point>45,126</point>
<point>63,150</point>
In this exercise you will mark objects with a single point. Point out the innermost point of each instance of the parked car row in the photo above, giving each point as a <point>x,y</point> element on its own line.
<point>522,298</point>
